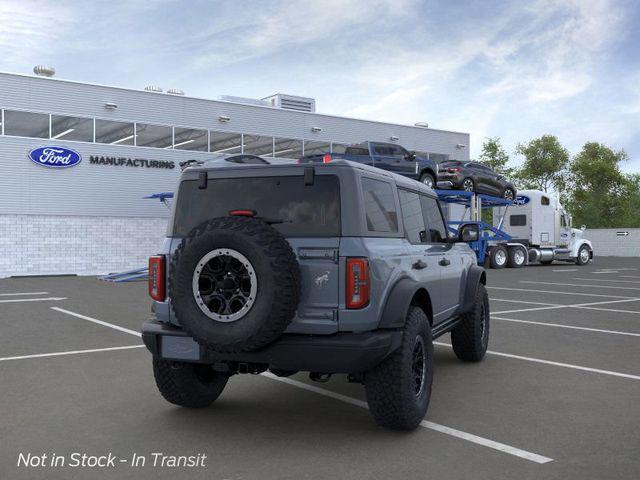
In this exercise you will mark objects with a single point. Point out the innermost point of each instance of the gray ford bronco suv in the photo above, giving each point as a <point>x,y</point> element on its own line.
<point>328,268</point>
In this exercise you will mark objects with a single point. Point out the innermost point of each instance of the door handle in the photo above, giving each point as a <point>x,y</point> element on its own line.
<point>419,265</point>
<point>444,262</point>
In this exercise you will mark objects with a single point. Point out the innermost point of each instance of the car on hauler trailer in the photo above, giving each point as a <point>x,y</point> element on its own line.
<point>323,268</point>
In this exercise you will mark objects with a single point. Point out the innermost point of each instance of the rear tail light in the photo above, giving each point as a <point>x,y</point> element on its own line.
<point>157,289</point>
<point>242,213</point>
<point>358,286</point>
<point>326,158</point>
<point>454,170</point>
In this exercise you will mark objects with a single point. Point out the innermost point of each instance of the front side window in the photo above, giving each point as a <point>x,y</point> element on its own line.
<point>412,216</point>
<point>303,210</point>
<point>114,133</point>
<point>380,206</point>
<point>437,231</point>
<point>26,124</point>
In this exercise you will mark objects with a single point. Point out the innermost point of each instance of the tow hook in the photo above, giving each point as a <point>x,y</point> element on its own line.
<point>320,377</point>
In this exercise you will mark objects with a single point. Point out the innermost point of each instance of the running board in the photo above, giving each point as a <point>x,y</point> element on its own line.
<point>444,327</point>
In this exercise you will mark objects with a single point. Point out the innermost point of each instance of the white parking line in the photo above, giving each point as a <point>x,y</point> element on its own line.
<point>606,280</point>
<point>559,293</point>
<point>20,300</point>
<point>581,285</point>
<point>521,301</point>
<point>629,276</point>
<point>70,352</point>
<point>27,293</point>
<point>572,327</point>
<point>588,306</point>
<point>531,309</point>
<point>555,364</point>
<point>99,322</point>
<point>485,442</point>
<point>567,270</point>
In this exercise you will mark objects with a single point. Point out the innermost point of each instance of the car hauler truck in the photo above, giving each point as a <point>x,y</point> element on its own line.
<point>534,228</point>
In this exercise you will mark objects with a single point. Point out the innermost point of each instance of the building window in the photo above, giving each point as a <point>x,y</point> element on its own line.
<point>438,157</point>
<point>26,124</point>
<point>71,128</point>
<point>339,148</point>
<point>257,145</point>
<point>226,142</point>
<point>115,133</point>
<point>380,206</point>
<point>190,139</point>
<point>287,148</point>
<point>316,148</point>
<point>157,136</point>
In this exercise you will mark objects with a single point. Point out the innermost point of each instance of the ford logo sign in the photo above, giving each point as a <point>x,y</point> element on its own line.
<point>521,200</point>
<point>55,157</point>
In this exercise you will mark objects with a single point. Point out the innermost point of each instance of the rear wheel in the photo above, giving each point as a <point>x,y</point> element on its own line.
<point>499,256</point>
<point>468,185</point>
<point>398,389</point>
<point>508,194</point>
<point>428,180</point>
<point>191,385</point>
<point>470,338</point>
<point>517,257</point>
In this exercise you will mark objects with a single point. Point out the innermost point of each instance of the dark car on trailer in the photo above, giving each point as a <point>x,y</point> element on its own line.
<point>475,177</point>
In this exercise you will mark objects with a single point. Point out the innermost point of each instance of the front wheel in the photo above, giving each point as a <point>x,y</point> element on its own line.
<point>470,338</point>
<point>398,389</point>
<point>428,180</point>
<point>584,255</point>
<point>191,385</point>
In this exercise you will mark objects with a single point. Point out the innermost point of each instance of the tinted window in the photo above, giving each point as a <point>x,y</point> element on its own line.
<point>316,148</point>
<point>115,133</point>
<point>190,139</point>
<point>412,216</point>
<point>26,124</point>
<point>380,207</point>
<point>222,142</point>
<point>433,219</point>
<point>518,220</point>
<point>287,148</point>
<point>257,145</point>
<point>357,151</point>
<point>157,136</point>
<point>544,201</point>
<point>71,128</point>
<point>306,210</point>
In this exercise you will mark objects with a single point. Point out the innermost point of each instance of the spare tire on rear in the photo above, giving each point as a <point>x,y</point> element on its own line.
<point>234,284</point>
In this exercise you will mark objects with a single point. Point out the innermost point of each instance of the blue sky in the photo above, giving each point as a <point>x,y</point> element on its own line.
<point>515,69</point>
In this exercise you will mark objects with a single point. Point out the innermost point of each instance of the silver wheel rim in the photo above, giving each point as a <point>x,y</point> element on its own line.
<point>501,257</point>
<point>508,194</point>
<point>428,181</point>
<point>224,285</point>
<point>584,255</point>
<point>467,185</point>
<point>419,366</point>
<point>518,256</point>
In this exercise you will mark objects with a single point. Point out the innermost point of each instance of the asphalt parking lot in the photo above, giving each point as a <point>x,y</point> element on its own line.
<point>556,397</point>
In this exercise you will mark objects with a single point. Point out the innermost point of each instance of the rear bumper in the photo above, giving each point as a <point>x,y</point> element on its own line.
<point>338,353</point>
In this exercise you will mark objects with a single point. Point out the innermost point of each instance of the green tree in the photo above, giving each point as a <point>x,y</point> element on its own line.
<point>600,194</point>
<point>545,164</point>
<point>494,156</point>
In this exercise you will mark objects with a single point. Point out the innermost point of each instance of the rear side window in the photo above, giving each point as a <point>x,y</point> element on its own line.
<point>517,220</point>
<point>433,220</point>
<point>412,216</point>
<point>357,151</point>
<point>544,201</point>
<point>305,210</point>
<point>380,206</point>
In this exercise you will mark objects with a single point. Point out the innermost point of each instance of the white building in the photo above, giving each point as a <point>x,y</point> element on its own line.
<point>90,218</point>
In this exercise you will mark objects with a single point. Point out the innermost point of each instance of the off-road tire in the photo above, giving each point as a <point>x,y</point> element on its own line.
<point>579,260</point>
<point>390,386</point>
<point>427,176</point>
<point>278,284</point>
<point>512,262</point>
<point>191,385</point>
<point>469,339</point>
<point>494,261</point>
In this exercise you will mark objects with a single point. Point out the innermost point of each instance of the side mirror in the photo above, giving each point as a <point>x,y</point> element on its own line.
<point>469,232</point>
<point>411,156</point>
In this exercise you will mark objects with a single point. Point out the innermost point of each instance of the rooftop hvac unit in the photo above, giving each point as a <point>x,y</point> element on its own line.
<point>244,100</point>
<point>175,91</point>
<point>291,102</point>
<point>153,88</point>
<point>44,71</point>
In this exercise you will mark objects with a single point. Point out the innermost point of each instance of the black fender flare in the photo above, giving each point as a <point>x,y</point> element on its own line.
<point>475,276</point>
<point>394,313</point>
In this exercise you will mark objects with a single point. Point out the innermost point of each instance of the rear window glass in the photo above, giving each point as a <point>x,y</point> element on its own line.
<point>306,210</point>
<point>380,206</point>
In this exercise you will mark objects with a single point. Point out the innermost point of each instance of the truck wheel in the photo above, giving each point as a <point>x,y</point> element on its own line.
<point>398,389</point>
<point>192,385</point>
<point>584,255</point>
<point>499,256</point>
<point>234,284</point>
<point>470,337</point>
<point>517,257</point>
<point>428,180</point>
